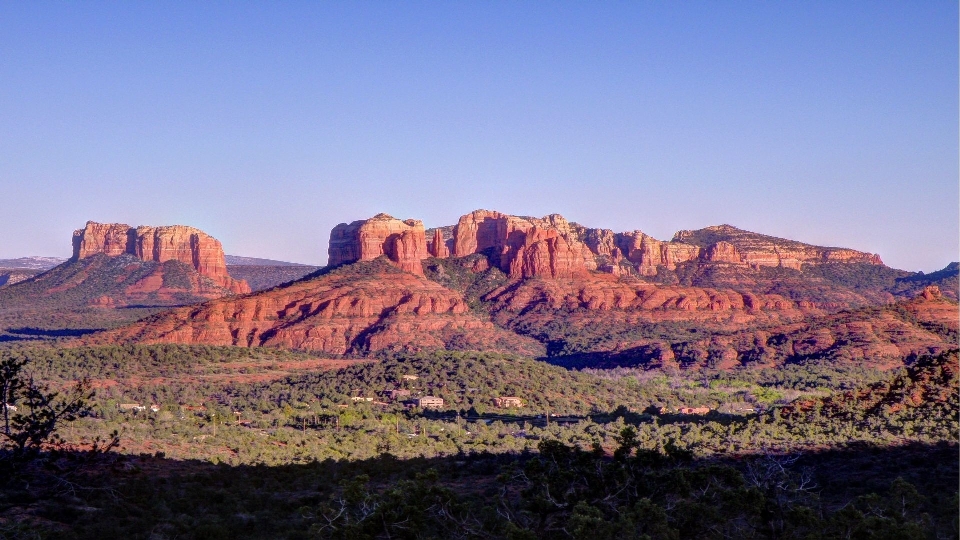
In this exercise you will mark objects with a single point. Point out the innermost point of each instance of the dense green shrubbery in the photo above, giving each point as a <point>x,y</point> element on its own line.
<point>314,415</point>
<point>504,475</point>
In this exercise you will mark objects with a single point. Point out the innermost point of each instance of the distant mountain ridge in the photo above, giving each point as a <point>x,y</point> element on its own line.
<point>32,263</point>
<point>114,264</point>
<point>237,260</point>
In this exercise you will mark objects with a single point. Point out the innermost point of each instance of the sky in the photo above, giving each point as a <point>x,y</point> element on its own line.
<point>267,123</point>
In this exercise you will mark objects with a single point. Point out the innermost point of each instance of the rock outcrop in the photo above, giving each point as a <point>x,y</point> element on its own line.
<point>403,242</point>
<point>552,247</point>
<point>438,245</point>
<point>649,254</point>
<point>721,297</point>
<point>723,252</point>
<point>761,250</point>
<point>524,247</point>
<point>180,243</point>
<point>350,310</point>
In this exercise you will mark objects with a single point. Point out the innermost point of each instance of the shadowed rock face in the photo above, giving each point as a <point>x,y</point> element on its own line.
<point>180,243</point>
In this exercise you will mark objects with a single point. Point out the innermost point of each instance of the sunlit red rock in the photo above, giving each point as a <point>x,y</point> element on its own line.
<point>158,244</point>
<point>761,250</point>
<point>403,242</point>
<point>438,246</point>
<point>341,312</point>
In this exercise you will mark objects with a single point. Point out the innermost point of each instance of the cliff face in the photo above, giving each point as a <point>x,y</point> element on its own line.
<point>111,239</point>
<point>648,253</point>
<point>552,247</point>
<point>438,245</point>
<point>403,242</point>
<point>761,250</point>
<point>524,247</point>
<point>179,243</point>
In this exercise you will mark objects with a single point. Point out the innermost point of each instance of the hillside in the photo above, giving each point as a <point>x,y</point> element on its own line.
<point>883,337</point>
<point>921,398</point>
<point>354,309</point>
<point>261,277</point>
<point>716,297</point>
<point>12,276</point>
<point>117,274</point>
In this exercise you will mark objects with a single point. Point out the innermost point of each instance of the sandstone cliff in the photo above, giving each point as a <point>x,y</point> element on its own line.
<point>158,244</point>
<point>438,245</point>
<point>403,242</point>
<point>524,247</point>
<point>761,250</point>
<point>552,247</point>
<point>499,282</point>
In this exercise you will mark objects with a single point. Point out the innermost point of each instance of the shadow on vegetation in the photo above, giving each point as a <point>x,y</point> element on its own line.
<point>639,357</point>
<point>46,333</point>
<point>860,491</point>
<point>40,334</point>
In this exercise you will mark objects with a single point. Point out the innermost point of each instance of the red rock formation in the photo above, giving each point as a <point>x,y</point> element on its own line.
<point>158,244</point>
<point>524,247</point>
<point>403,242</point>
<point>340,312</point>
<point>481,230</point>
<point>605,294</point>
<point>648,253</point>
<point>600,241</point>
<point>931,306</point>
<point>438,247</point>
<point>407,250</point>
<point>762,250</point>
<point>722,252</point>
<point>502,237</point>
<point>108,238</point>
<point>546,254</point>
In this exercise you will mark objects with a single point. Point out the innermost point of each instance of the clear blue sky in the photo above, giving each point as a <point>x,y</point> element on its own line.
<point>266,124</point>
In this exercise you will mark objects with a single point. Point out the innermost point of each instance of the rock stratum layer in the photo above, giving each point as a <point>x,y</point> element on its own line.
<point>115,265</point>
<point>554,248</point>
<point>403,242</point>
<point>745,247</point>
<point>358,309</point>
<point>158,244</point>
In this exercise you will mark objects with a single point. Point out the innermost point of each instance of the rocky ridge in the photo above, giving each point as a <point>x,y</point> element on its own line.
<point>365,307</point>
<point>745,247</point>
<point>880,337</point>
<point>118,266</point>
<point>498,281</point>
<point>552,247</point>
<point>158,244</point>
